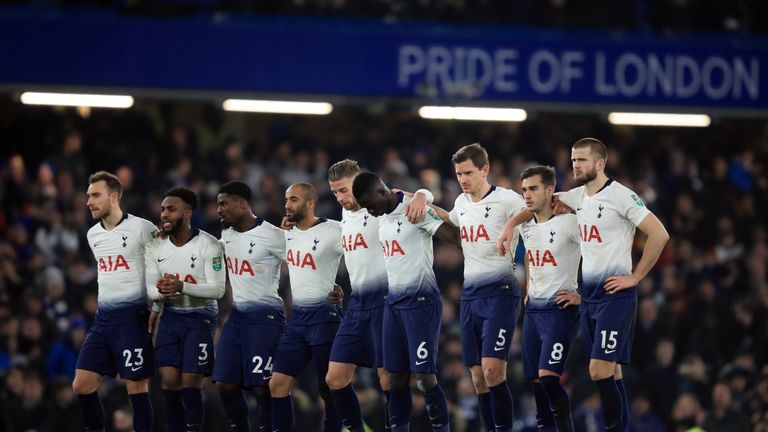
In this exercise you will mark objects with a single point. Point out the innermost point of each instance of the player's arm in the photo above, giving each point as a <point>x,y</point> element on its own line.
<point>416,209</point>
<point>215,277</point>
<point>508,233</point>
<point>152,276</point>
<point>444,214</point>
<point>652,227</point>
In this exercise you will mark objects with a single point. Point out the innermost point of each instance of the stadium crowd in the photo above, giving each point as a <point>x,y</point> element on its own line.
<point>699,354</point>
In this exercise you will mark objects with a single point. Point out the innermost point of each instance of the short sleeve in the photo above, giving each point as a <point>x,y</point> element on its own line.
<point>569,198</point>
<point>431,222</point>
<point>630,205</point>
<point>453,216</point>
<point>514,204</point>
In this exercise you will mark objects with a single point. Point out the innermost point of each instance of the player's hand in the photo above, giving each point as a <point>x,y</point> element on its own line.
<point>558,207</point>
<point>615,284</point>
<point>169,285</point>
<point>286,224</point>
<point>336,296</point>
<point>505,239</point>
<point>565,299</point>
<point>152,321</point>
<point>416,209</point>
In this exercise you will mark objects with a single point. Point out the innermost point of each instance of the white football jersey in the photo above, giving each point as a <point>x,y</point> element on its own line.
<point>486,273</point>
<point>409,256</point>
<point>199,264</point>
<point>313,257</point>
<point>552,249</point>
<point>364,259</point>
<point>606,223</point>
<point>119,255</point>
<point>253,260</point>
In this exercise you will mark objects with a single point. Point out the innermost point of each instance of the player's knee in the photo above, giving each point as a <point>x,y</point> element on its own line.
<point>279,385</point>
<point>261,392</point>
<point>599,372</point>
<point>336,381</point>
<point>493,374</point>
<point>136,387</point>
<point>426,382</point>
<point>84,386</point>
<point>399,380</point>
<point>227,387</point>
<point>478,380</point>
<point>384,380</point>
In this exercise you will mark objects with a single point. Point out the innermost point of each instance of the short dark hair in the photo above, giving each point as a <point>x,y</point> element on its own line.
<point>113,183</point>
<point>237,188</point>
<point>343,169</point>
<point>307,189</point>
<point>596,147</point>
<point>547,174</point>
<point>185,194</point>
<point>474,152</point>
<point>364,183</point>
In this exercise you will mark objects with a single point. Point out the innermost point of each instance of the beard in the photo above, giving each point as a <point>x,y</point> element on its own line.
<point>587,177</point>
<point>298,215</point>
<point>175,227</point>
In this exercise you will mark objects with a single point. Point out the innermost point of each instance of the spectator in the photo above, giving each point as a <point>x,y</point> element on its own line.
<point>724,416</point>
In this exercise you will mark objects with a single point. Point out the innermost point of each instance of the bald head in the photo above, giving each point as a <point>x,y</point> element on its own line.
<point>300,202</point>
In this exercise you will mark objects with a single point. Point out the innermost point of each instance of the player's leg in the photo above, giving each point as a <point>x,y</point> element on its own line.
<point>556,328</point>
<point>259,350</point>
<point>532,354</point>
<point>228,374</point>
<point>85,385</point>
<point>471,346</point>
<point>619,377</point>
<point>397,365</point>
<point>133,349</point>
<point>600,327</point>
<point>386,389</point>
<point>339,379</point>
<point>349,349</point>
<point>94,361</point>
<point>170,382</point>
<point>197,363</point>
<point>423,332</point>
<point>168,359</point>
<point>498,329</point>
<point>143,414</point>
<point>332,421</point>
<point>292,355</point>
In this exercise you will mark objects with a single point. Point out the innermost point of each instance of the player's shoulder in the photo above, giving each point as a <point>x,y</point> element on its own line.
<point>96,228</point>
<point>565,219</point>
<point>505,194</point>
<point>330,224</point>
<point>207,238</point>
<point>136,221</point>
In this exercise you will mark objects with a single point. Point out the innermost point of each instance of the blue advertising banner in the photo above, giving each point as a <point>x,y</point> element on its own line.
<point>441,63</point>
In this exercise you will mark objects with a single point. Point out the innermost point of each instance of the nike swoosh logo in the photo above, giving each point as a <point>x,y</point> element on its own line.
<point>420,363</point>
<point>289,238</point>
<point>136,368</point>
<point>498,348</point>
<point>161,259</point>
<point>98,243</point>
<point>610,351</point>
<point>228,242</point>
<point>202,364</point>
<point>554,362</point>
<point>462,213</point>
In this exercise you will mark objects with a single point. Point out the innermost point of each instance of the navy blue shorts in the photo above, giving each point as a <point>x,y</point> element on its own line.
<point>547,339</point>
<point>301,343</point>
<point>185,341</point>
<point>608,328</point>
<point>487,327</point>
<point>124,349</point>
<point>358,340</point>
<point>411,337</point>
<point>245,353</point>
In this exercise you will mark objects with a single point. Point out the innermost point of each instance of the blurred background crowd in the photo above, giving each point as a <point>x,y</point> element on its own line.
<point>699,354</point>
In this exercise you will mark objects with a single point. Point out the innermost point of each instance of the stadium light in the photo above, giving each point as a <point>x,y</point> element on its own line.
<point>656,119</point>
<point>277,107</point>
<point>472,113</point>
<point>77,100</point>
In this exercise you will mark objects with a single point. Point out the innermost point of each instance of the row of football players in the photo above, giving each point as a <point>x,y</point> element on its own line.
<point>393,288</point>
